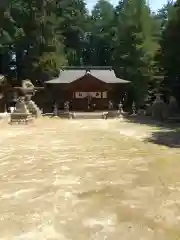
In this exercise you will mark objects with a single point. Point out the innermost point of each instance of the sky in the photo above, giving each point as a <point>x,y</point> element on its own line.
<point>154,4</point>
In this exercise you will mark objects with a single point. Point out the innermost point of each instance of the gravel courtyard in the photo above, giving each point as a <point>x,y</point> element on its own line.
<point>87,180</point>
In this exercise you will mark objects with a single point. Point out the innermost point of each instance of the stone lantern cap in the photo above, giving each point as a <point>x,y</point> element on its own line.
<point>28,87</point>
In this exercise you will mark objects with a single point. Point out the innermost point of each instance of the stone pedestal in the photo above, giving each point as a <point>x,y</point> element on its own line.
<point>21,107</point>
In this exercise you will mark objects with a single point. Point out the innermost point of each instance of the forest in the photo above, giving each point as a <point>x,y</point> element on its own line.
<point>38,37</point>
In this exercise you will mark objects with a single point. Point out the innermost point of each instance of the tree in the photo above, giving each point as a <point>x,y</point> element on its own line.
<point>8,32</point>
<point>170,52</point>
<point>164,14</point>
<point>74,16</point>
<point>36,44</point>
<point>99,51</point>
<point>135,46</point>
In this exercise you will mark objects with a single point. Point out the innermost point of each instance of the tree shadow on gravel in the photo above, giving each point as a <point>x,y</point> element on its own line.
<point>169,138</point>
<point>168,134</point>
<point>144,120</point>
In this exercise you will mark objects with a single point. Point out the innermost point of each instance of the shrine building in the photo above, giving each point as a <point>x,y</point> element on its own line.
<point>84,87</point>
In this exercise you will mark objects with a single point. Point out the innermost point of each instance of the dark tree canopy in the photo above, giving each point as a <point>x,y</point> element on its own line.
<point>38,37</point>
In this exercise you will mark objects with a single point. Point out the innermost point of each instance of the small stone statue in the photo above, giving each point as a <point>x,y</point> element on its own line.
<point>120,110</point>
<point>12,109</point>
<point>120,107</point>
<point>110,106</point>
<point>66,106</point>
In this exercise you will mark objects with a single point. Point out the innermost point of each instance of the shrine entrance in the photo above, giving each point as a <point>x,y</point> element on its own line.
<point>89,101</point>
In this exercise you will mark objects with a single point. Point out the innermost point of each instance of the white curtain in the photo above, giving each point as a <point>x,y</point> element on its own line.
<point>80,95</point>
<point>104,94</point>
<point>95,94</point>
<point>85,94</point>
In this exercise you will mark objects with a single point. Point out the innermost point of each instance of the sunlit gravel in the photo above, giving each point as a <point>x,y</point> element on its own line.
<point>87,180</point>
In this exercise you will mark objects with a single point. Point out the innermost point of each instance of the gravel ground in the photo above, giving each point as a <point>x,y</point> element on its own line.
<point>87,180</point>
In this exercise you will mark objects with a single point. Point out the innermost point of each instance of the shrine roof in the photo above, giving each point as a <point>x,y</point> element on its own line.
<point>70,75</point>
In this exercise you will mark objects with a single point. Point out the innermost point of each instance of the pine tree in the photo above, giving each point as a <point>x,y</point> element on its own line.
<point>39,49</point>
<point>9,32</point>
<point>135,46</point>
<point>170,52</point>
<point>74,17</point>
<point>101,34</point>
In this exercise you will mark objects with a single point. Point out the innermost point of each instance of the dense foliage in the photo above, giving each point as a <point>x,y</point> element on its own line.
<point>170,51</point>
<point>38,37</point>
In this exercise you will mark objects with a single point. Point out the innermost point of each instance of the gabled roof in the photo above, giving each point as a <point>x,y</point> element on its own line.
<point>107,76</point>
<point>71,75</point>
<point>68,76</point>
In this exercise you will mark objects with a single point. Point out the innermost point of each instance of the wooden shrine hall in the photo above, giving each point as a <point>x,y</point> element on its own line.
<point>86,88</point>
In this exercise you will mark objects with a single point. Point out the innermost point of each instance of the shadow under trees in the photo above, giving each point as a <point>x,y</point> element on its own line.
<point>168,138</point>
<point>168,134</point>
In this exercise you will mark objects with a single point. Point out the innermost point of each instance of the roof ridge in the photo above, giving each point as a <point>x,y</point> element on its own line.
<point>86,67</point>
<point>71,75</point>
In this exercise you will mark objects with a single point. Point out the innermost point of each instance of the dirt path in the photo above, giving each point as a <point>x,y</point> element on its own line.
<point>87,179</point>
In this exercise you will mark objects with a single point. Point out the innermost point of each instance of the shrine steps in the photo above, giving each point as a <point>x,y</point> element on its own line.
<point>88,115</point>
<point>85,115</point>
<point>95,115</point>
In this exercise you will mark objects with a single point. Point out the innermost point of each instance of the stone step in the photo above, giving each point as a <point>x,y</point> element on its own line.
<point>95,115</point>
<point>84,115</point>
<point>88,116</point>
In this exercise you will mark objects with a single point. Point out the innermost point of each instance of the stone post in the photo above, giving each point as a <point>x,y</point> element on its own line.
<point>120,110</point>
<point>55,110</point>
<point>134,109</point>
